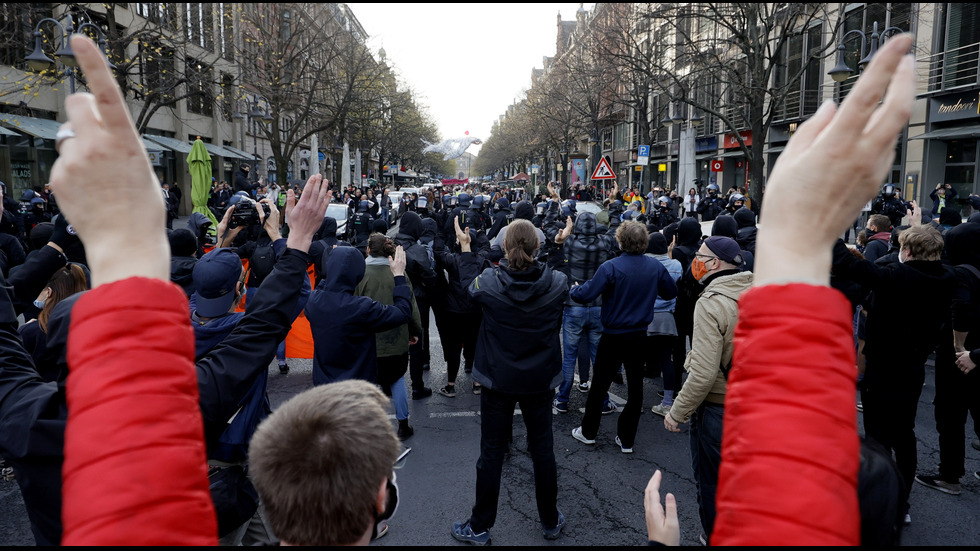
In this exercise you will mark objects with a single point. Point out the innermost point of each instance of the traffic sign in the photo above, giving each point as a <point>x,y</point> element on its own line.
<point>603,171</point>
<point>643,155</point>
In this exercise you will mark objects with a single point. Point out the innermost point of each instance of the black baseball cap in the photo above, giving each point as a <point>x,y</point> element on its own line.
<point>216,276</point>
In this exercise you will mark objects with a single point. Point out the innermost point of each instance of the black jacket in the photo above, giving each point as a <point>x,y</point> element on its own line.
<point>747,230</point>
<point>963,246</point>
<point>710,207</point>
<point>418,268</point>
<point>585,250</point>
<point>518,349</point>
<point>242,183</point>
<point>457,297</point>
<point>891,348</point>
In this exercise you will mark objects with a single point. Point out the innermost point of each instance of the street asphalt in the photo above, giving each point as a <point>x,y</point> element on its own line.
<point>600,489</point>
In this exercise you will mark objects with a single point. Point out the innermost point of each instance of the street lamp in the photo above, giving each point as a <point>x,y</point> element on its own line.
<point>39,61</point>
<point>842,71</point>
<point>255,115</point>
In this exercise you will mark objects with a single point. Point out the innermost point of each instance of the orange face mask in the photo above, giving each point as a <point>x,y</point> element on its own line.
<point>698,269</point>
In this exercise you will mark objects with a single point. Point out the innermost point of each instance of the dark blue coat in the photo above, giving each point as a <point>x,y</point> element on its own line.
<point>344,325</point>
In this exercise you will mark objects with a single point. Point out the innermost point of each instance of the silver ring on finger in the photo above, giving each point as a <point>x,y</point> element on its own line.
<point>64,133</point>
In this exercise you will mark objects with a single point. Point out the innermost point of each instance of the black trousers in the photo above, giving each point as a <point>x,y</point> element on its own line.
<point>616,350</point>
<point>458,332</point>
<point>956,395</point>
<point>890,401</point>
<point>496,423</point>
<point>419,352</point>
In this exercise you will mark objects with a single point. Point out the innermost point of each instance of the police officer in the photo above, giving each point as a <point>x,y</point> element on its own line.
<point>363,224</point>
<point>663,213</point>
<point>712,205</point>
<point>735,202</point>
<point>888,204</point>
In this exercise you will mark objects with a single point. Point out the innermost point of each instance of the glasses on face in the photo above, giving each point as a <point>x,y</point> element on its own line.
<point>704,257</point>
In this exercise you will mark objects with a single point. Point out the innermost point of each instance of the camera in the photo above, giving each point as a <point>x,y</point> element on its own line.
<point>908,205</point>
<point>246,214</point>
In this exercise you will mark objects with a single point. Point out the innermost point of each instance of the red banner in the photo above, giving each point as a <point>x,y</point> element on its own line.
<point>455,182</point>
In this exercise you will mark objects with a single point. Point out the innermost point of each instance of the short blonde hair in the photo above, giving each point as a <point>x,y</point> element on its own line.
<point>319,460</point>
<point>922,242</point>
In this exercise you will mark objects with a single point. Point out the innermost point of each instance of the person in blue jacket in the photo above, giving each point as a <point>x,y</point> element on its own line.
<point>344,325</point>
<point>629,285</point>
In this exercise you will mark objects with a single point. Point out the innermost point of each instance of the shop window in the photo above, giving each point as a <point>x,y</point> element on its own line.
<point>961,166</point>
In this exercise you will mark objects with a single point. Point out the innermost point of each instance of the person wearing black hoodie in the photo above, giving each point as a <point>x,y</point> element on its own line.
<point>747,230</point>
<point>518,362</point>
<point>183,251</point>
<point>687,241</point>
<point>420,269</point>
<point>344,325</point>
<point>461,318</point>
<point>957,383</point>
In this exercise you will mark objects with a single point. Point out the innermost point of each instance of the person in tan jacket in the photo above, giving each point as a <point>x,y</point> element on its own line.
<point>702,398</point>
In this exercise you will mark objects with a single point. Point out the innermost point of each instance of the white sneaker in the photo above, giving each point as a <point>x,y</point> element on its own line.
<point>577,434</point>
<point>661,410</point>
<point>908,519</point>
<point>625,449</point>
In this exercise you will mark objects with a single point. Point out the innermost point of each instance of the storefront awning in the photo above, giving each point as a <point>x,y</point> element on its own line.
<point>39,128</point>
<point>5,132</point>
<point>708,155</point>
<point>170,143</point>
<point>220,151</point>
<point>951,133</point>
<point>730,154</point>
<point>240,153</point>
<point>777,149</point>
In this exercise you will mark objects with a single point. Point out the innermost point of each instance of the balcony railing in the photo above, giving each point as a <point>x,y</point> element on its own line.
<point>952,69</point>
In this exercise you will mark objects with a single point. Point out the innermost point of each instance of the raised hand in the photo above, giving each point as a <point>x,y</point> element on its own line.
<point>398,262</point>
<point>104,181</point>
<point>462,236</point>
<point>306,215</point>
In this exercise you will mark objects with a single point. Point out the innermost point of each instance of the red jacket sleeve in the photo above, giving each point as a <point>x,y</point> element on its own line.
<point>135,469</point>
<point>790,450</point>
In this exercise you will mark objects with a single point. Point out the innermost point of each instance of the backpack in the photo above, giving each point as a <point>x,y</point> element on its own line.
<point>260,264</point>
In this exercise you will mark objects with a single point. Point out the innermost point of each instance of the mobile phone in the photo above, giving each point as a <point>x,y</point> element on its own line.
<point>400,461</point>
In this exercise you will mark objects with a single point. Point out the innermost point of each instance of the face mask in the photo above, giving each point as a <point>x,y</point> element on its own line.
<point>698,269</point>
<point>390,506</point>
<point>39,304</point>
<point>901,258</point>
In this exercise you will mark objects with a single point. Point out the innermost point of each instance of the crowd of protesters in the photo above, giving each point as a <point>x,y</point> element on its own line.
<point>133,404</point>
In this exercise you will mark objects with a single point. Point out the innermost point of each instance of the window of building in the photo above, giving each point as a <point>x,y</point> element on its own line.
<point>961,166</point>
<point>158,72</point>
<point>162,14</point>
<point>199,23</point>
<point>226,30</point>
<point>797,72</point>
<point>960,29</point>
<point>200,96</point>
<point>287,30</point>
<point>17,22</point>
<point>228,96</point>
<point>621,136</point>
<point>863,18</point>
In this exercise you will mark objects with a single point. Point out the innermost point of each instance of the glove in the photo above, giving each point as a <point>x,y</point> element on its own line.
<point>64,235</point>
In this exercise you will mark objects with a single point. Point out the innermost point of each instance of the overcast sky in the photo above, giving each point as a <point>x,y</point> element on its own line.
<point>466,62</point>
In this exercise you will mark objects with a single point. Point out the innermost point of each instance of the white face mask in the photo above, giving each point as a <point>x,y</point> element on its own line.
<point>902,259</point>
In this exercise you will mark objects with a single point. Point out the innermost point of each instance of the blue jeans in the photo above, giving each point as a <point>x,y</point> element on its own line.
<point>385,213</point>
<point>399,397</point>
<point>577,321</point>
<point>706,429</point>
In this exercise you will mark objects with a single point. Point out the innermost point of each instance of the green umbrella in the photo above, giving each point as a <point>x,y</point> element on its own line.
<point>199,163</point>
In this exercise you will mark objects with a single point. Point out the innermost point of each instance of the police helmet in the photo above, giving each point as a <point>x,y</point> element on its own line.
<point>713,189</point>
<point>477,203</point>
<point>501,204</point>
<point>464,199</point>
<point>888,191</point>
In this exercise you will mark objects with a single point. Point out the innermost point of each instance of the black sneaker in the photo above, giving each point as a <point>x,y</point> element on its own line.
<point>404,430</point>
<point>463,532</point>
<point>583,387</point>
<point>560,407</point>
<point>609,407</point>
<point>421,393</point>
<point>937,483</point>
<point>284,369</point>
<point>449,391</point>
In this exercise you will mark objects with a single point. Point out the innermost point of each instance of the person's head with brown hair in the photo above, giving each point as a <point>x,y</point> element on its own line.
<point>632,237</point>
<point>380,246</point>
<point>64,283</point>
<point>923,243</point>
<point>520,245</point>
<point>862,238</point>
<point>878,223</point>
<point>321,464</point>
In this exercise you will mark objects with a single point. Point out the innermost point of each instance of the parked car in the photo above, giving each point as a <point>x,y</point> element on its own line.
<point>341,213</point>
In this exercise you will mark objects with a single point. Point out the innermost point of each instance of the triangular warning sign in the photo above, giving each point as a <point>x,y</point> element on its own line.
<point>603,171</point>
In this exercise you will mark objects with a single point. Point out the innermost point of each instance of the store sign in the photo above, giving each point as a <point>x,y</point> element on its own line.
<point>731,141</point>
<point>955,107</point>
<point>156,157</point>
<point>717,166</point>
<point>20,172</point>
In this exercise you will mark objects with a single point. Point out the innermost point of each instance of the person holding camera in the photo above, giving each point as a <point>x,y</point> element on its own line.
<point>942,197</point>
<point>890,204</point>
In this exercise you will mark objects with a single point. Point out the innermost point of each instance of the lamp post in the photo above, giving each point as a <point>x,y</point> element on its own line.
<point>39,61</point>
<point>255,116</point>
<point>842,71</point>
